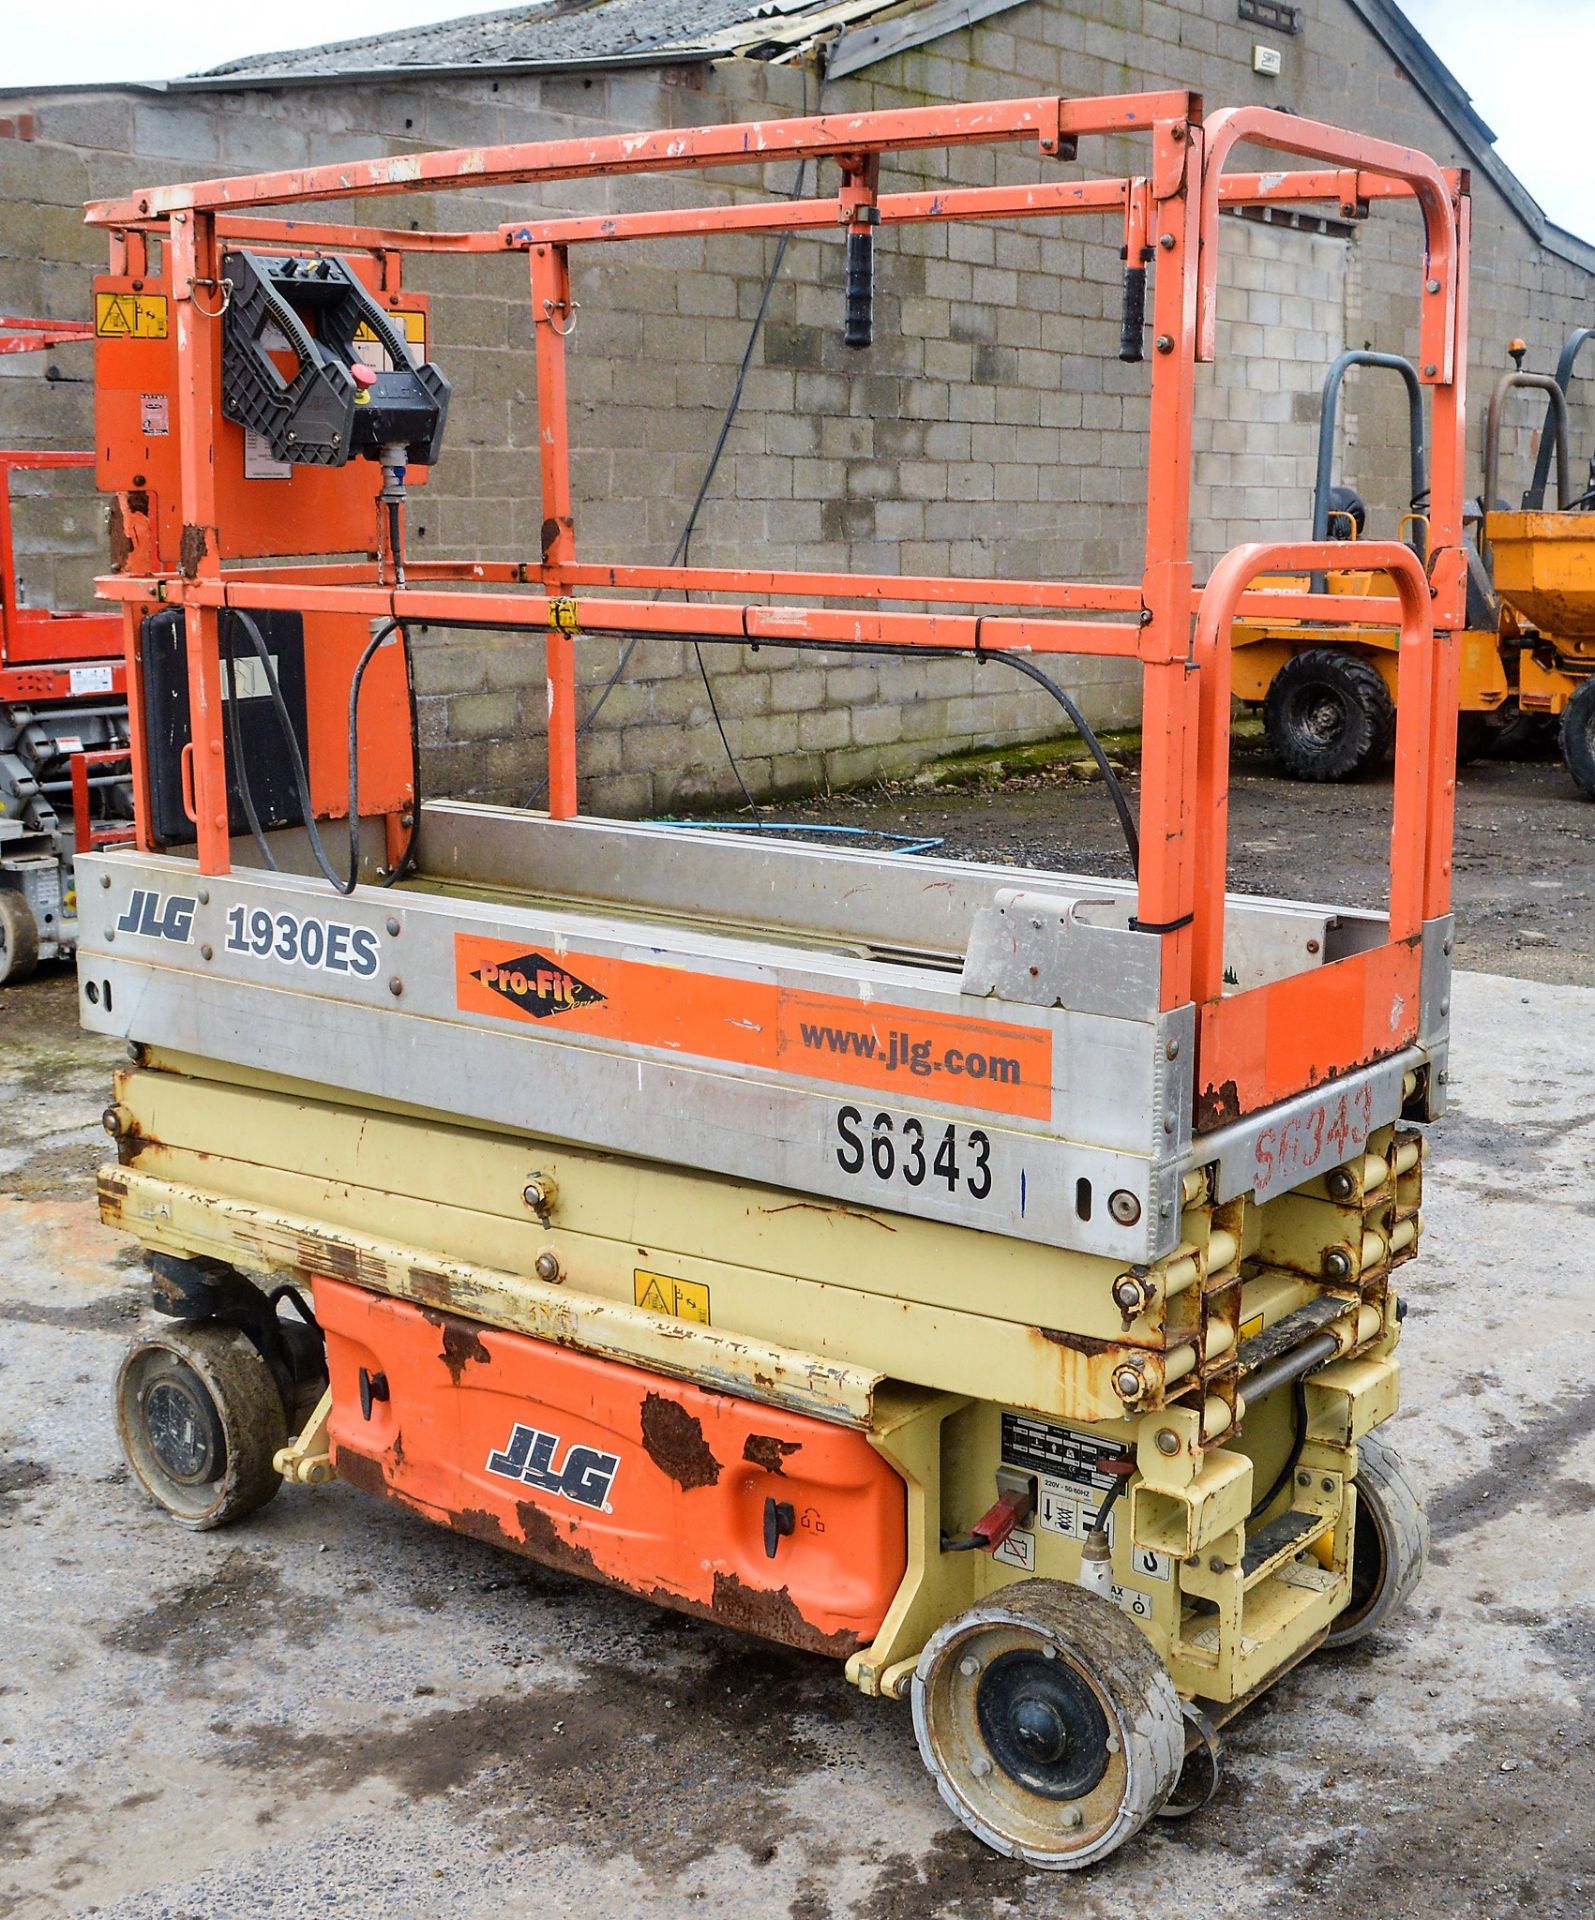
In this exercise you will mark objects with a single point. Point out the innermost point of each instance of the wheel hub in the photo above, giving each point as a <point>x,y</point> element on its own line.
<point>1042,1725</point>
<point>1325,720</point>
<point>184,1434</point>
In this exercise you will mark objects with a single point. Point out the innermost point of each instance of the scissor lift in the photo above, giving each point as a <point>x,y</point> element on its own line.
<point>63,723</point>
<point>981,1278</point>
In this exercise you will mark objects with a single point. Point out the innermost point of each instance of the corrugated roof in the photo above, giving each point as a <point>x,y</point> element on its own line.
<point>559,33</point>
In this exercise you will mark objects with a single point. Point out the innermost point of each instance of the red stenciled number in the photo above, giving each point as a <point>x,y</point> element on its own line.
<point>1266,1141</point>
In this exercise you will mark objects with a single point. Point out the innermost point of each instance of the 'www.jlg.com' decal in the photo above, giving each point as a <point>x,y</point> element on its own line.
<point>996,1066</point>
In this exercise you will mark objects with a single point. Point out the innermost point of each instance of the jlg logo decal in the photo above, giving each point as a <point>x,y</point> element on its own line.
<point>537,985</point>
<point>159,916</point>
<point>585,1476</point>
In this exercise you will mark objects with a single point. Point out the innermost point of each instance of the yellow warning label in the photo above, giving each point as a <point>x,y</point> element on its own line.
<point>680,1299</point>
<point>1249,1327</point>
<point>130,316</point>
<point>410,321</point>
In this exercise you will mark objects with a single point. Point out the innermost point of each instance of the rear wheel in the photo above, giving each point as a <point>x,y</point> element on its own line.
<point>1578,739</point>
<point>1328,715</point>
<point>1050,1725</point>
<point>19,937</point>
<point>1476,733</point>
<point>1390,1544</point>
<point>200,1418</point>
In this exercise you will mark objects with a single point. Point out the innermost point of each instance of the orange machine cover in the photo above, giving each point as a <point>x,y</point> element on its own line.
<point>625,1476</point>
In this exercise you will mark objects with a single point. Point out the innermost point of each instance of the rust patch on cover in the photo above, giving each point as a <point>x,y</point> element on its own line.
<point>191,549</point>
<point>764,1450</point>
<point>772,1614</point>
<point>359,1469</point>
<point>675,1443</point>
<point>1217,1107</point>
<point>1086,1342</point>
<point>462,1342</point>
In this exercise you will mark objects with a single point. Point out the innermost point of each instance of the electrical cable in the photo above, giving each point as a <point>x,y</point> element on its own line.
<point>296,758</point>
<point>235,739</point>
<point>904,843</point>
<point>1121,805</point>
<point>682,549</point>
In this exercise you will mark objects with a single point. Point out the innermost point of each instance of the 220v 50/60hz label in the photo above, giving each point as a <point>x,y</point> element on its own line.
<point>304,940</point>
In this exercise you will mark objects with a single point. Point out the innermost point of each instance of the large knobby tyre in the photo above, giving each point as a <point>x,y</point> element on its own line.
<point>1578,738</point>
<point>1390,1542</point>
<point>19,937</point>
<point>1050,1725</point>
<point>200,1418</point>
<point>1328,715</point>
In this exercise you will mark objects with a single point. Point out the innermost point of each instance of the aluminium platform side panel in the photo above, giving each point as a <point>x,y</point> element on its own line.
<point>818,1071</point>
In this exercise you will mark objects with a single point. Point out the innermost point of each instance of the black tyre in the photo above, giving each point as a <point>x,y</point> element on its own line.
<point>1329,715</point>
<point>200,1418</point>
<point>1578,739</point>
<point>19,937</point>
<point>1390,1546</point>
<point>1476,734</point>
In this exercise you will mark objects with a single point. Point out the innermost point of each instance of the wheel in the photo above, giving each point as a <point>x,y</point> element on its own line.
<point>1524,736</point>
<point>200,1417</point>
<point>1578,739</point>
<point>1328,715</point>
<point>1051,1727</point>
<point>1476,733</point>
<point>1389,1547</point>
<point>19,937</point>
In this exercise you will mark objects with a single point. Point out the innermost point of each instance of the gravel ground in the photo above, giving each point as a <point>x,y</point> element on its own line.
<point>1524,879</point>
<point>336,1710</point>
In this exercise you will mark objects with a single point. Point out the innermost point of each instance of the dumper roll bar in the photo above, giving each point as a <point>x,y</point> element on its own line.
<point>1174,208</point>
<point>1534,499</point>
<point>1328,413</point>
<point>1556,418</point>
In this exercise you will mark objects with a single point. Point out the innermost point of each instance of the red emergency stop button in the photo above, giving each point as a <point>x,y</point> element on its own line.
<point>362,375</point>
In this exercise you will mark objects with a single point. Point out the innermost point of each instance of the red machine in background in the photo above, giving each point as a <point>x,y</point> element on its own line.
<point>65,784</point>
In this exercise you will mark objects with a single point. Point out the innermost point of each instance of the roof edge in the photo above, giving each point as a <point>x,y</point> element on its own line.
<point>1450,100</point>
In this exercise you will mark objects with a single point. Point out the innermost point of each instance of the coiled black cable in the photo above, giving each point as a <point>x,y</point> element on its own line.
<point>343,884</point>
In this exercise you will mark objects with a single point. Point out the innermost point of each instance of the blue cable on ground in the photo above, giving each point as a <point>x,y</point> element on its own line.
<point>903,842</point>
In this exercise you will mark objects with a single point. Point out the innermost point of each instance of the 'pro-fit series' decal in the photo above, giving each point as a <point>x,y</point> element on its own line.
<point>991,1065</point>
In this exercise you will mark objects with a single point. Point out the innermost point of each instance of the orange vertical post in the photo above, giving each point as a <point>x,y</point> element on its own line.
<point>1448,572</point>
<point>1170,712</point>
<point>196,297</point>
<point>552,314</point>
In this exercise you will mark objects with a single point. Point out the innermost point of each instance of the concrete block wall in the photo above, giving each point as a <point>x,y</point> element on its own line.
<point>989,429</point>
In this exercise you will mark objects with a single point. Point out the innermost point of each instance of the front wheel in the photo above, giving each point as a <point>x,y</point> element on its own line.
<point>200,1419</point>
<point>1578,738</point>
<point>1050,1725</point>
<point>1328,715</point>
<point>1389,1544</point>
<point>19,937</point>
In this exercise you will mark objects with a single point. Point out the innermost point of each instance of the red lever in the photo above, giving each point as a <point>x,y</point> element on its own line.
<point>362,375</point>
<point>995,1526</point>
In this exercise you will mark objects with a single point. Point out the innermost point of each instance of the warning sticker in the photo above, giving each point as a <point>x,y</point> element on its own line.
<point>154,415</point>
<point>1018,1550</point>
<point>260,463</point>
<point>1064,1453</point>
<point>680,1299</point>
<point>130,316</point>
<point>1069,1510</point>
<point>410,323</point>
